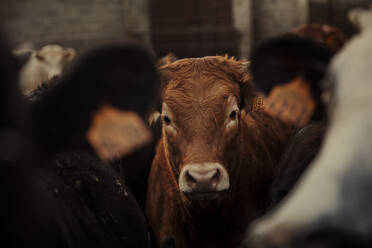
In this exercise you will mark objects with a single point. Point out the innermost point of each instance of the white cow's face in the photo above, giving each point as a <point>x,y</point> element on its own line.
<point>52,59</point>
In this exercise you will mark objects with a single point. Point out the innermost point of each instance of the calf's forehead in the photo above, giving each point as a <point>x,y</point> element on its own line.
<point>52,53</point>
<point>200,93</point>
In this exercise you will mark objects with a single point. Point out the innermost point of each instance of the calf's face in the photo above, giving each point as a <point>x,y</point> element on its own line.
<point>201,105</point>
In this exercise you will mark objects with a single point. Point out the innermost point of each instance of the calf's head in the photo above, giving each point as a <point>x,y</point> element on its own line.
<point>52,58</point>
<point>202,100</point>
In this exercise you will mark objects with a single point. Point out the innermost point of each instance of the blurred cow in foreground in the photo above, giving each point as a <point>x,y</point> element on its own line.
<point>57,185</point>
<point>331,206</point>
<point>295,100</point>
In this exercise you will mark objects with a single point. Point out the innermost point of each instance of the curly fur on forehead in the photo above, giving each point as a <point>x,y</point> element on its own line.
<point>201,75</point>
<point>219,66</point>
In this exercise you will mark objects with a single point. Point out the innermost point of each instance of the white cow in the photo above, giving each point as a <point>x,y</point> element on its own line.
<point>361,18</point>
<point>336,192</point>
<point>44,64</point>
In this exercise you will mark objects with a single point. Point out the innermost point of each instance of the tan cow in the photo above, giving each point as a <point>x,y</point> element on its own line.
<point>216,155</point>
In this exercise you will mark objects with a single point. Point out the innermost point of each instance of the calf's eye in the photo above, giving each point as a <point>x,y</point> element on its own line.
<point>233,115</point>
<point>166,120</point>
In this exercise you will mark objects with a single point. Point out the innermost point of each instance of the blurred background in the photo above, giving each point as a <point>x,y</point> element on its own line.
<point>188,28</point>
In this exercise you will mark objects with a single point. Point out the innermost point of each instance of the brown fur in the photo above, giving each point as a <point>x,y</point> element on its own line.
<point>331,37</point>
<point>196,90</point>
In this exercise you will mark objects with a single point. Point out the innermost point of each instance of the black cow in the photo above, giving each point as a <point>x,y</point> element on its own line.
<point>59,192</point>
<point>331,206</point>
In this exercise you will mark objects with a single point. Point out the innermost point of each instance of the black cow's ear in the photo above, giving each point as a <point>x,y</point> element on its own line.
<point>115,133</point>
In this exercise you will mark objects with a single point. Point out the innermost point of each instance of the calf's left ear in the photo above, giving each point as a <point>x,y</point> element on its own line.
<point>167,59</point>
<point>247,89</point>
<point>154,118</point>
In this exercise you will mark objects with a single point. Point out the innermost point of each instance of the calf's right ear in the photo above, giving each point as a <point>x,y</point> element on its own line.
<point>69,54</point>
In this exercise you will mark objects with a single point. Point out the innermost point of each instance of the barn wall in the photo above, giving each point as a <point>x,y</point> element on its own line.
<point>77,23</point>
<point>256,20</point>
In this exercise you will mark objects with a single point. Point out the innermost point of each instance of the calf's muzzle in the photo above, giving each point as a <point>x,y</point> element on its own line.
<point>203,178</point>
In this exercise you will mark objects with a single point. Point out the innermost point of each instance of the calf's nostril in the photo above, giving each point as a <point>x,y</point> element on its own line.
<point>216,176</point>
<point>189,178</point>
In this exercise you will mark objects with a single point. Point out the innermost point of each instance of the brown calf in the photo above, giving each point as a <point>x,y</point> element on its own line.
<point>216,156</point>
<point>331,37</point>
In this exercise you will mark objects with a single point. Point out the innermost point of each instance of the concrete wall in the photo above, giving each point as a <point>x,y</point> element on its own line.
<point>274,17</point>
<point>243,23</point>
<point>75,23</point>
<point>257,20</point>
<point>137,21</point>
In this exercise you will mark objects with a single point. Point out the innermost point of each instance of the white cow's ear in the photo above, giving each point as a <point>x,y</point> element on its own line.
<point>69,54</point>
